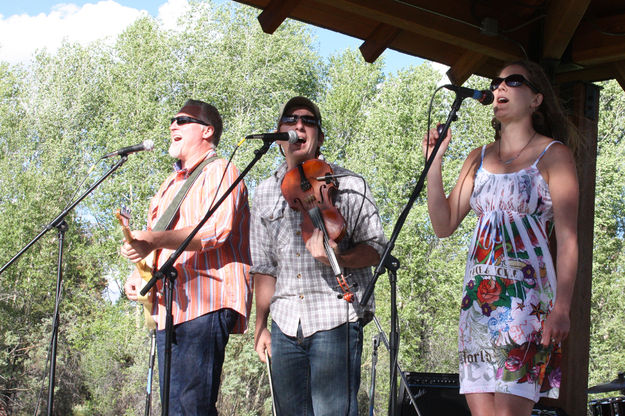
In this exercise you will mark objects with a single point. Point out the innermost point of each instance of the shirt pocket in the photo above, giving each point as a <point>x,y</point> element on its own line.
<point>280,222</point>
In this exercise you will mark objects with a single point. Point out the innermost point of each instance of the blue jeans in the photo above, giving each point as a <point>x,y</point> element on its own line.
<point>197,355</point>
<point>310,375</point>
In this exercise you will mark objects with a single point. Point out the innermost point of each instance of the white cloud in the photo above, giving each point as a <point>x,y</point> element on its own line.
<point>443,70</point>
<point>21,35</point>
<point>169,12</point>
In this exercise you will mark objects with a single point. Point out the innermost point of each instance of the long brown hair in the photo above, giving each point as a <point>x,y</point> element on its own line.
<point>549,119</point>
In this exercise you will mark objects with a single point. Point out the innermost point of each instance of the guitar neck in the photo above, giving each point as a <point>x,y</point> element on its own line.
<point>127,234</point>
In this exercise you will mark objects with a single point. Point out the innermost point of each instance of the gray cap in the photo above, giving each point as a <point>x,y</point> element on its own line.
<point>300,102</point>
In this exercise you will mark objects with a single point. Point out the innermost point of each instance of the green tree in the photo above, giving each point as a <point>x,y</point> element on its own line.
<point>607,351</point>
<point>65,109</point>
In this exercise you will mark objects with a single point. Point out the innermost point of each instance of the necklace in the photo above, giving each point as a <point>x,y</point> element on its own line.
<point>507,162</point>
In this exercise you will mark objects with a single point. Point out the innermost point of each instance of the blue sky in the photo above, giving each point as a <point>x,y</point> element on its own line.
<point>34,16</point>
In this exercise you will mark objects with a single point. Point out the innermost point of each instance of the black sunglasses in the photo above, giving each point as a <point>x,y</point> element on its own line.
<point>185,120</point>
<point>308,120</point>
<point>514,80</point>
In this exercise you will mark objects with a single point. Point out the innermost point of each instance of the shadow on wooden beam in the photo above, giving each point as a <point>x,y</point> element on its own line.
<point>378,41</point>
<point>275,13</point>
<point>464,66</point>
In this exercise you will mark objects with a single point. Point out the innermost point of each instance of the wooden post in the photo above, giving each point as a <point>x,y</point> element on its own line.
<point>582,100</point>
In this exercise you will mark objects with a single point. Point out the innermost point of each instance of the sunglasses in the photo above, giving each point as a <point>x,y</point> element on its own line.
<point>307,120</point>
<point>185,120</point>
<point>514,80</point>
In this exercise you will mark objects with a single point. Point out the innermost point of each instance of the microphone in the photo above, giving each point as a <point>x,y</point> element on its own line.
<point>485,96</point>
<point>290,136</point>
<point>146,145</point>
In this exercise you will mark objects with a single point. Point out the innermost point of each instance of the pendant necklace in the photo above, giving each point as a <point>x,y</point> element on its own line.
<point>507,162</point>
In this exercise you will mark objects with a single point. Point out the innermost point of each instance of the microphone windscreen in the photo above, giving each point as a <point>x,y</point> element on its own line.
<point>148,145</point>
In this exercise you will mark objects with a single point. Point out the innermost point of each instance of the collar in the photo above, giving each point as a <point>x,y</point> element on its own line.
<point>281,171</point>
<point>186,172</point>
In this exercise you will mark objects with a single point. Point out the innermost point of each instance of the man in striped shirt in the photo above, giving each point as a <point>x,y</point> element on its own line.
<point>212,293</point>
<point>316,336</point>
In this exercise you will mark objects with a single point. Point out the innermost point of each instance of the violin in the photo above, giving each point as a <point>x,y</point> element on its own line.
<point>310,189</point>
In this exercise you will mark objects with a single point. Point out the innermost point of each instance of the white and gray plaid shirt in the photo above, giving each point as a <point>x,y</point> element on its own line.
<point>306,289</point>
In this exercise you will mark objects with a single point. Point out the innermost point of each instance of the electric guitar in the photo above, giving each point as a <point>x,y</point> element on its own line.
<point>145,271</point>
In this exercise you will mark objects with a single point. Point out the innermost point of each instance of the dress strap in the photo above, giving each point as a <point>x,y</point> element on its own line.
<point>544,151</point>
<point>482,160</point>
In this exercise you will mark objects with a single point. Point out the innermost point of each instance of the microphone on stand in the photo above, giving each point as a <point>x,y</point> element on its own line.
<point>483,96</point>
<point>290,136</point>
<point>146,145</point>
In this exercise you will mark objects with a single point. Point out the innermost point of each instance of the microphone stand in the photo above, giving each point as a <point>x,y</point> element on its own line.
<point>376,342</point>
<point>168,273</point>
<point>60,223</point>
<point>390,263</point>
<point>152,356</point>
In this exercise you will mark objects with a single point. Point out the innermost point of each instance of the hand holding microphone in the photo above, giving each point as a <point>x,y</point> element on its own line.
<point>484,97</point>
<point>429,141</point>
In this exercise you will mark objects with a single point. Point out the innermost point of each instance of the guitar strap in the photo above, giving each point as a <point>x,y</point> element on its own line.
<point>165,220</point>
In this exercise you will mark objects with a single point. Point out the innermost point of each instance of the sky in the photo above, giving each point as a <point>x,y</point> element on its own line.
<point>28,25</point>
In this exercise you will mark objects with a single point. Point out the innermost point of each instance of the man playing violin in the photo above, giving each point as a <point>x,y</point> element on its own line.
<point>315,343</point>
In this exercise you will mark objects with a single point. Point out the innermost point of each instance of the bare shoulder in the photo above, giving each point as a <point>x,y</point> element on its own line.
<point>473,160</point>
<point>557,155</point>
<point>558,160</point>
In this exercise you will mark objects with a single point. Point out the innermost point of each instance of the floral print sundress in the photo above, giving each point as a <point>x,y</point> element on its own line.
<point>509,288</point>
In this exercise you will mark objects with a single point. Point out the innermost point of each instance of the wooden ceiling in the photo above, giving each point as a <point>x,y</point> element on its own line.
<point>575,40</point>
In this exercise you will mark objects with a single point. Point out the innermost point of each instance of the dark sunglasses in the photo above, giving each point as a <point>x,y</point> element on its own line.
<point>185,120</point>
<point>308,120</point>
<point>514,80</point>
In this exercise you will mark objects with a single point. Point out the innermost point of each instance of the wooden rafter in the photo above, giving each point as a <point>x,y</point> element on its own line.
<point>619,70</point>
<point>594,45</point>
<point>583,39</point>
<point>276,12</point>
<point>378,41</point>
<point>428,25</point>
<point>464,67</point>
<point>562,20</point>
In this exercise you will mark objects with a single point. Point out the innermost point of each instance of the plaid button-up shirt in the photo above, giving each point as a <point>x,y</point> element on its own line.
<point>306,289</point>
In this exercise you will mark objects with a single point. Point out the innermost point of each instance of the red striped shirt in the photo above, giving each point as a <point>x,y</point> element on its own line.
<point>217,276</point>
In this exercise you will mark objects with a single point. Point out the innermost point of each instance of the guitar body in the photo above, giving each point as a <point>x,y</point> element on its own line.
<point>143,267</point>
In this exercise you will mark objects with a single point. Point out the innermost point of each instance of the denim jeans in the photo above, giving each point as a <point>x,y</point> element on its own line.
<point>310,375</point>
<point>197,356</point>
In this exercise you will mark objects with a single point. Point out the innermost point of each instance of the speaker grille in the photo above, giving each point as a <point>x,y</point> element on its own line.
<point>435,394</point>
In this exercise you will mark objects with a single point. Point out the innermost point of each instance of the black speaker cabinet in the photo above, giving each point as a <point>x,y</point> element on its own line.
<point>435,394</point>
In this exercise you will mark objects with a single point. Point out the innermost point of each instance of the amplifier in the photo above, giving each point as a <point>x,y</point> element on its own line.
<point>434,393</point>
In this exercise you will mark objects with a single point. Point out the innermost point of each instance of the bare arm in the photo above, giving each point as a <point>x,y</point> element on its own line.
<point>446,213</point>
<point>264,288</point>
<point>213,233</point>
<point>564,190</point>
<point>144,242</point>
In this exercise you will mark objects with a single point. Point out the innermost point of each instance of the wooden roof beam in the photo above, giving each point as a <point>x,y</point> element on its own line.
<point>563,18</point>
<point>619,73</point>
<point>465,66</point>
<point>422,23</point>
<point>592,47</point>
<point>378,41</point>
<point>275,13</point>
<point>590,74</point>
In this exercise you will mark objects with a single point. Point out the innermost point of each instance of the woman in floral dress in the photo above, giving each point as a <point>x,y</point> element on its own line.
<point>516,299</point>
